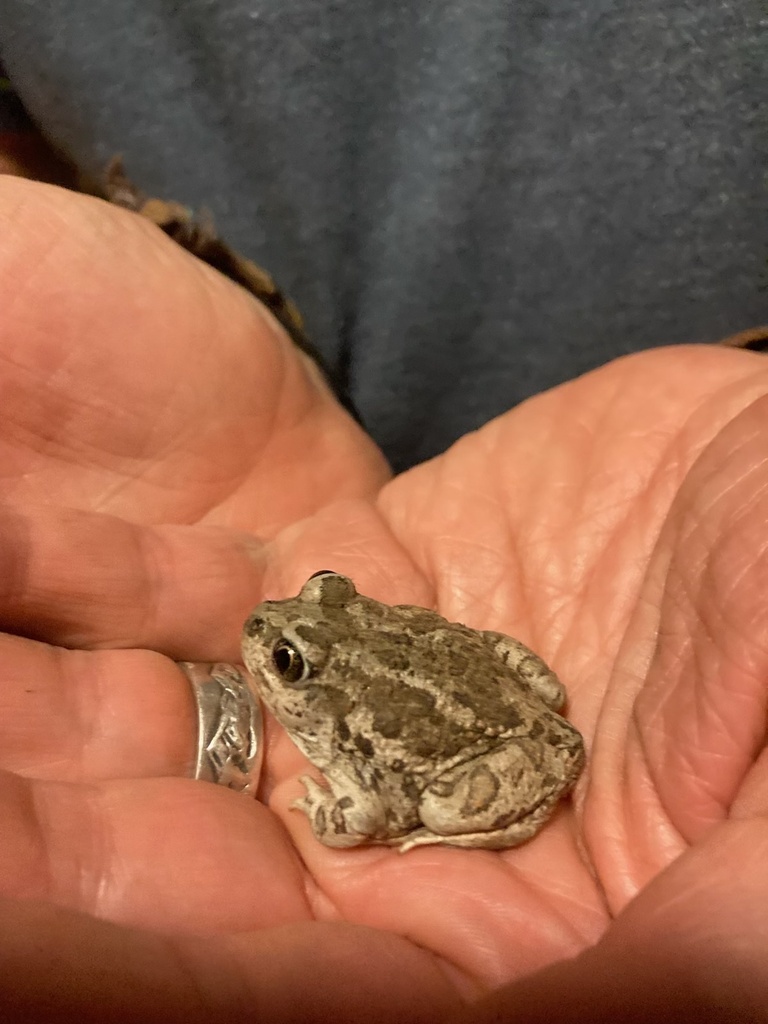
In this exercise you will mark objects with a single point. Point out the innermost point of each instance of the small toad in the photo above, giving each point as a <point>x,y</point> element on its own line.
<point>426,731</point>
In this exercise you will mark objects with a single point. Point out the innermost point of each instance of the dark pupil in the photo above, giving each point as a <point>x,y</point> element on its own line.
<point>288,662</point>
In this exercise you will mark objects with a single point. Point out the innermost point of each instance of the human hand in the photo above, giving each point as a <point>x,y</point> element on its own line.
<point>619,535</point>
<point>137,381</point>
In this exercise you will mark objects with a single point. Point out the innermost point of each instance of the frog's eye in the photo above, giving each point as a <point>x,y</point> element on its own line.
<point>290,662</point>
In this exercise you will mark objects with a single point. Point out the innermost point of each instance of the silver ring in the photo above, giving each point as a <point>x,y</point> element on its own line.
<point>230,725</point>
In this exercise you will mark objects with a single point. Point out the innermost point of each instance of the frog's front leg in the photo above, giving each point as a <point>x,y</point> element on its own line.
<point>494,801</point>
<point>342,821</point>
<point>529,666</point>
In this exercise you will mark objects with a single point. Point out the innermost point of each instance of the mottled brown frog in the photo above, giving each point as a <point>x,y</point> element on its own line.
<point>426,731</point>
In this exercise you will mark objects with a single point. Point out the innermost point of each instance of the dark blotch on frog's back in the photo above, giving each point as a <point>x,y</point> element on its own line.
<point>333,700</point>
<point>397,707</point>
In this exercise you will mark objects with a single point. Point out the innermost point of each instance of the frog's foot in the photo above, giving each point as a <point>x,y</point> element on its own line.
<point>499,839</point>
<point>337,821</point>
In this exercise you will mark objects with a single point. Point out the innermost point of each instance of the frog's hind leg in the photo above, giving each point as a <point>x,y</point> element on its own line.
<point>529,666</point>
<point>499,839</point>
<point>495,800</point>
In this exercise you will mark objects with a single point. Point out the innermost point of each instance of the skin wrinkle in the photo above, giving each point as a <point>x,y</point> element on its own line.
<point>151,548</point>
<point>96,886</point>
<point>723,727</point>
<point>708,578</point>
<point>86,400</point>
<point>33,444</point>
<point>209,1002</point>
<point>672,745</point>
<point>689,600</point>
<point>618,720</point>
<point>686,465</point>
<point>706,504</point>
<point>685,766</point>
<point>193,979</point>
<point>751,660</point>
<point>650,490</point>
<point>650,484</point>
<point>666,834</point>
<point>19,367</point>
<point>88,697</point>
<point>42,872</point>
<point>306,414</point>
<point>475,930</point>
<point>732,585</point>
<point>92,886</point>
<point>184,443</point>
<point>380,564</point>
<point>279,346</point>
<point>463,551</point>
<point>476,933</point>
<point>75,882</point>
<point>566,900</point>
<point>734,486</point>
<point>80,455</point>
<point>592,584</point>
<point>697,890</point>
<point>15,568</point>
<point>483,600</point>
<point>44,266</point>
<point>284,405</point>
<point>187,441</point>
<point>320,902</point>
<point>137,588</point>
<point>474,551</point>
<point>105,499</point>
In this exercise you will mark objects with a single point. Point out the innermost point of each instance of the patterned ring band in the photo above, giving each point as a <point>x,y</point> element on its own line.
<point>230,733</point>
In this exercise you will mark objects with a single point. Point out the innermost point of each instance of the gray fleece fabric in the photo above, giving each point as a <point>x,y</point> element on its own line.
<point>471,201</point>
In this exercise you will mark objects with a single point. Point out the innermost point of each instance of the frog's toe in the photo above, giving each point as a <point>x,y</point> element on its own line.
<point>420,837</point>
<point>341,821</point>
<point>500,839</point>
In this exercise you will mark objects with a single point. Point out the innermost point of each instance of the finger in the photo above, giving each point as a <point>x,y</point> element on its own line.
<point>83,579</point>
<point>137,380</point>
<point>172,854</point>
<point>83,716</point>
<point>59,966</point>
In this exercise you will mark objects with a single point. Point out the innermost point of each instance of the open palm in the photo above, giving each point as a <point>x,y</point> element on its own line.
<point>169,460</point>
